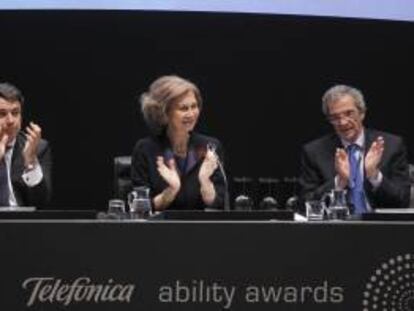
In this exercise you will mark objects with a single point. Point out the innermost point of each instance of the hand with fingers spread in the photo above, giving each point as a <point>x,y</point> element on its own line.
<point>342,167</point>
<point>373,157</point>
<point>169,173</point>
<point>209,165</point>
<point>3,142</point>
<point>33,136</point>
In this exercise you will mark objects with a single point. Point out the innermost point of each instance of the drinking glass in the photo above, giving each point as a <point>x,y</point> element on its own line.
<point>116,209</point>
<point>338,208</point>
<point>315,210</point>
<point>139,202</point>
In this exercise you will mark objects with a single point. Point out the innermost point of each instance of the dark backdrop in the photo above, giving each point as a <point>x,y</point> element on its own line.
<point>262,77</point>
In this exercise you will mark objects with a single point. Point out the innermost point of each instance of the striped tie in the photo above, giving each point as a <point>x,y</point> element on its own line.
<point>356,182</point>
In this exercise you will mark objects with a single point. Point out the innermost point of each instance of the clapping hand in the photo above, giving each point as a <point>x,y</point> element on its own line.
<point>33,136</point>
<point>342,167</point>
<point>3,142</point>
<point>373,157</point>
<point>169,173</point>
<point>209,165</point>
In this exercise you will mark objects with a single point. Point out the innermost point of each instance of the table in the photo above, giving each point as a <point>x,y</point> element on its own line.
<point>206,265</point>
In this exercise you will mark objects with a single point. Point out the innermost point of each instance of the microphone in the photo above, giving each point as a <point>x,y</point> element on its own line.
<point>269,202</point>
<point>243,202</point>
<point>293,203</point>
<point>212,147</point>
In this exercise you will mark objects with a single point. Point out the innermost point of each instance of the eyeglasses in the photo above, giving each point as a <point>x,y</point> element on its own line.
<point>335,119</point>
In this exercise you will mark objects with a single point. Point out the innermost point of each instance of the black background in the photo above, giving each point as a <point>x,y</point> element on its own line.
<point>261,76</point>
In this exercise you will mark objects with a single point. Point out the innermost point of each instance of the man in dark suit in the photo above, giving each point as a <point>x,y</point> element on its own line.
<point>379,158</point>
<point>25,158</point>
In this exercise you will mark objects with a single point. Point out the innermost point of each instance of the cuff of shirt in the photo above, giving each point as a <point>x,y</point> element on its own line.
<point>34,176</point>
<point>376,181</point>
<point>337,186</point>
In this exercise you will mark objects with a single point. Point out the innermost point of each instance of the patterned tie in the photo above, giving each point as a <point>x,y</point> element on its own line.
<point>356,182</point>
<point>4,184</point>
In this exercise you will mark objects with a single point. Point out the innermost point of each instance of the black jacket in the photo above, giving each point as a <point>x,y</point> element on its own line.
<point>39,195</point>
<point>144,170</point>
<point>318,170</point>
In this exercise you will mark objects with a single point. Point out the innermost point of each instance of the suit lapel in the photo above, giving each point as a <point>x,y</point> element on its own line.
<point>369,139</point>
<point>334,143</point>
<point>17,164</point>
<point>191,160</point>
<point>196,152</point>
<point>168,154</point>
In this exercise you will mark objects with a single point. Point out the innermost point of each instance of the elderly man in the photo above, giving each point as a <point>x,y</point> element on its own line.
<point>25,158</point>
<point>370,165</point>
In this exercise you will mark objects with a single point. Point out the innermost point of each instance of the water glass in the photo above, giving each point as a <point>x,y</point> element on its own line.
<point>338,208</point>
<point>314,210</point>
<point>139,203</point>
<point>338,212</point>
<point>116,209</point>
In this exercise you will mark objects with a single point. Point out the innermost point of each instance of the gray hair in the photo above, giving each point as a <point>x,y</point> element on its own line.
<point>338,91</point>
<point>160,96</point>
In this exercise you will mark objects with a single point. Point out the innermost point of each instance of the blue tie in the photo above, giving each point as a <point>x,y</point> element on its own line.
<point>356,182</point>
<point>4,184</point>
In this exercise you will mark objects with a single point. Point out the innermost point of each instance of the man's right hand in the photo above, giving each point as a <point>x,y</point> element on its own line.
<point>3,142</point>
<point>342,167</point>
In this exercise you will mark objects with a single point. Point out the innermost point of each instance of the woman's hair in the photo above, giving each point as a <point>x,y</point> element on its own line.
<point>162,93</point>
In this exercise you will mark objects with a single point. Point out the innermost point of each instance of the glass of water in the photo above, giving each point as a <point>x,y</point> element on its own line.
<point>314,210</point>
<point>338,208</point>
<point>116,209</point>
<point>139,202</point>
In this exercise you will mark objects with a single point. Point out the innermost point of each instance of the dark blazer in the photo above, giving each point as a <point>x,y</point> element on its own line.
<point>39,195</point>
<point>318,170</point>
<point>144,170</point>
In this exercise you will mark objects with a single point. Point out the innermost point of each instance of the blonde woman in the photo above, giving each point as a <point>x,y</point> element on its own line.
<point>179,165</point>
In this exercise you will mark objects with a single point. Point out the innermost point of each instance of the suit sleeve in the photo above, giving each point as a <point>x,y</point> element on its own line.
<point>139,166</point>
<point>394,190</point>
<point>218,180</point>
<point>41,194</point>
<point>312,183</point>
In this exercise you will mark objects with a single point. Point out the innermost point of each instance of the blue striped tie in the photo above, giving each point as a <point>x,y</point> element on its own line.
<point>356,182</point>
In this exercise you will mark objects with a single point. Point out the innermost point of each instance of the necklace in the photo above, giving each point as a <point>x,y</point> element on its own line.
<point>180,150</point>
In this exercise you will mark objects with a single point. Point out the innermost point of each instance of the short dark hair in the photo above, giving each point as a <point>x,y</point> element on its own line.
<point>11,93</point>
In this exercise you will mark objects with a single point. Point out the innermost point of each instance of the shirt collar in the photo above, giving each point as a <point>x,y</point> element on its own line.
<point>11,145</point>
<point>360,141</point>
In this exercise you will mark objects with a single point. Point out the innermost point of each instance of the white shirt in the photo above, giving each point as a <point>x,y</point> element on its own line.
<point>31,178</point>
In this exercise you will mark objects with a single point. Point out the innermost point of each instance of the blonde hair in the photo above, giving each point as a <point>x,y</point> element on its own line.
<point>160,96</point>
